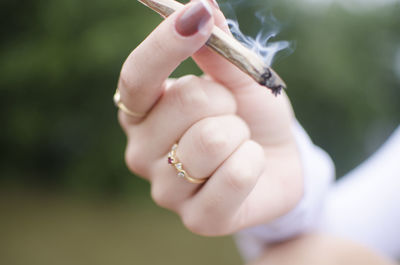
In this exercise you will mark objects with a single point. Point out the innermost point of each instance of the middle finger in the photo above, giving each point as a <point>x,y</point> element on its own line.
<point>186,102</point>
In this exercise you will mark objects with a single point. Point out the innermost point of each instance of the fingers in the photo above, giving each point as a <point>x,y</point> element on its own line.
<point>189,100</point>
<point>268,117</point>
<point>207,144</point>
<point>200,115</point>
<point>149,65</point>
<point>202,150</point>
<point>218,208</point>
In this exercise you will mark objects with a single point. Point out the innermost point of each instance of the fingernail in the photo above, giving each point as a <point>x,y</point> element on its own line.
<point>193,19</point>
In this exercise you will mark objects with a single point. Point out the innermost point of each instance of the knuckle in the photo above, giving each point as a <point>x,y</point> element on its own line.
<point>126,80</point>
<point>212,138</point>
<point>237,176</point>
<point>204,225</point>
<point>195,224</point>
<point>159,45</point>
<point>241,173</point>
<point>134,161</point>
<point>188,95</point>
<point>212,205</point>
<point>131,79</point>
<point>187,80</point>
<point>160,195</point>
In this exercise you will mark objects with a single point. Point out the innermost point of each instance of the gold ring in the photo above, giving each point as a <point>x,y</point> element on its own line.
<point>121,106</point>
<point>173,160</point>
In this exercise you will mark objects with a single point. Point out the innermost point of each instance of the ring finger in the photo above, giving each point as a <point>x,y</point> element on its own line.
<point>201,150</point>
<point>189,100</point>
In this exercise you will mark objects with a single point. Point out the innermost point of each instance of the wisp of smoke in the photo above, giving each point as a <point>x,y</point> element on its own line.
<point>262,44</point>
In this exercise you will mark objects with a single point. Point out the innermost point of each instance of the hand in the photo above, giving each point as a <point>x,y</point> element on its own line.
<point>228,127</point>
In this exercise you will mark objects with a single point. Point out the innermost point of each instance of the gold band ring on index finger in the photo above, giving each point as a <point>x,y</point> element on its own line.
<point>173,160</point>
<point>121,106</point>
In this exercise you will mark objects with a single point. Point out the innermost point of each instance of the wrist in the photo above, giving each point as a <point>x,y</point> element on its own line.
<point>318,173</point>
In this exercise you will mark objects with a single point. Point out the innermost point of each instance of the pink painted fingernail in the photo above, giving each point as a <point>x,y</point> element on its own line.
<point>193,19</point>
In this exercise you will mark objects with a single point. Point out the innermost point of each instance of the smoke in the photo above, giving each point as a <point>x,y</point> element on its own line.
<point>261,44</point>
<point>264,43</point>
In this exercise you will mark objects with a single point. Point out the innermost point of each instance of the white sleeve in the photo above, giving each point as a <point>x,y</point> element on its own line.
<point>365,204</point>
<point>319,172</point>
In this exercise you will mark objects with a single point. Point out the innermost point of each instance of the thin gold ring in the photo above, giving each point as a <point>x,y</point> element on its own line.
<point>173,160</point>
<point>121,106</point>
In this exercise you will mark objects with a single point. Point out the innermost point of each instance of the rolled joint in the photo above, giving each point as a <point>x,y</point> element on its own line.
<point>229,48</point>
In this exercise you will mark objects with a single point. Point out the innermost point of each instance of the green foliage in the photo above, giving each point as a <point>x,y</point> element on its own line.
<point>60,60</point>
<point>343,85</point>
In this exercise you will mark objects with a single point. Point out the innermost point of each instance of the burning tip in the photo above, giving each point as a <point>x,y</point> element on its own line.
<point>272,81</point>
<point>276,90</point>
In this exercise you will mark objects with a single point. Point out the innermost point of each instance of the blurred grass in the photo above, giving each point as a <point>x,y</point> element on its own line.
<point>48,229</point>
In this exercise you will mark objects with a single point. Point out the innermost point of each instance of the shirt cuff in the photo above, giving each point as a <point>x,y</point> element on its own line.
<point>319,172</point>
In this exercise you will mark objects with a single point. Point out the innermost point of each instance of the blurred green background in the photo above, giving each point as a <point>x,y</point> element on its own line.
<point>66,196</point>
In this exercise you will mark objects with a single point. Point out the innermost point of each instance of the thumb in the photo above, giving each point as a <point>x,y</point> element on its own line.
<point>268,117</point>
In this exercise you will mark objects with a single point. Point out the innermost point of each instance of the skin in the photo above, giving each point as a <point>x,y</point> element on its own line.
<point>318,249</point>
<point>228,127</point>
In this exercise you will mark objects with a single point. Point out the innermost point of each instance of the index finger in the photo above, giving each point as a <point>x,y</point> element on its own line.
<point>149,65</point>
